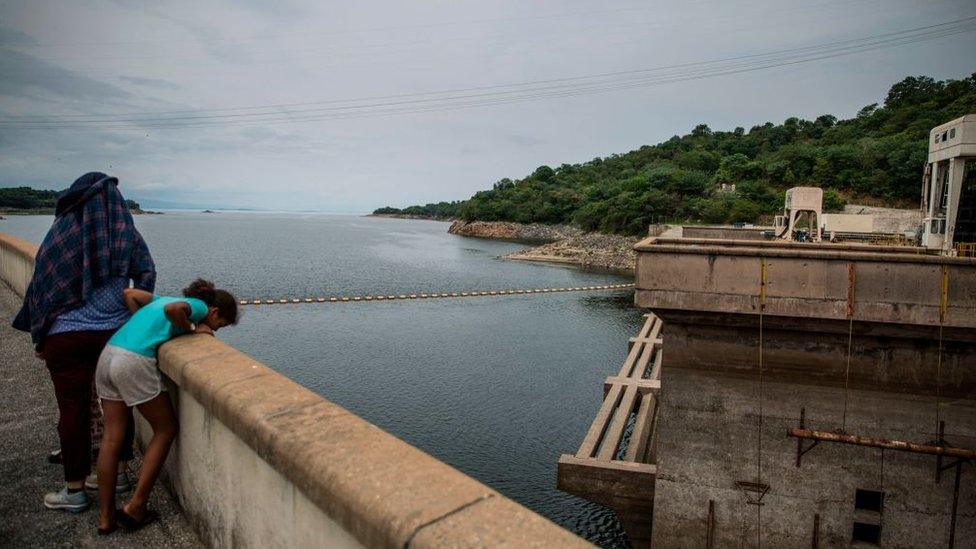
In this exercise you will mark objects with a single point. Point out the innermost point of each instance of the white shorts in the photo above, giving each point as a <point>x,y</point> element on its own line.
<point>127,376</point>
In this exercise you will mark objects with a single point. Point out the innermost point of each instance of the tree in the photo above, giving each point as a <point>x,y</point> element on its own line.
<point>913,90</point>
<point>715,211</point>
<point>826,120</point>
<point>543,173</point>
<point>701,130</point>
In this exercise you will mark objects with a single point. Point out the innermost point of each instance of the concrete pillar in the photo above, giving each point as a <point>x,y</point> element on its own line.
<point>933,204</point>
<point>957,167</point>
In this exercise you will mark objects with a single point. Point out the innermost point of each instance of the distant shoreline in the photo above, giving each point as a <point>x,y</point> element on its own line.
<point>50,211</point>
<point>406,216</point>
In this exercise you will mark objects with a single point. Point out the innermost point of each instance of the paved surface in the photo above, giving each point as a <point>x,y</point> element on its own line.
<point>28,419</point>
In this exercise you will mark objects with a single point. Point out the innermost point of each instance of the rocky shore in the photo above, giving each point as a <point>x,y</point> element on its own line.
<point>561,244</point>
<point>534,233</point>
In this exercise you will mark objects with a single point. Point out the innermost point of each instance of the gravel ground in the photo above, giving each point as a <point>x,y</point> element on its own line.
<point>28,418</point>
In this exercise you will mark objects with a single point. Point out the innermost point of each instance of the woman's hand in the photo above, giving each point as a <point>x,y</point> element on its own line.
<point>203,329</point>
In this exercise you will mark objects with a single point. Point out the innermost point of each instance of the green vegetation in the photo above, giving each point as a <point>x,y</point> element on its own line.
<point>28,200</point>
<point>441,210</point>
<point>879,154</point>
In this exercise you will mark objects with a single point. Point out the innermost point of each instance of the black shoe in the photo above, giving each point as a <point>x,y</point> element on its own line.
<point>55,456</point>
<point>130,523</point>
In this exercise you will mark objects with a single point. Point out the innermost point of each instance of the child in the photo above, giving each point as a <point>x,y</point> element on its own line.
<point>127,375</point>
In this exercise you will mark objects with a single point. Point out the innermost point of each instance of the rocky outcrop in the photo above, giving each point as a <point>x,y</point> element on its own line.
<point>590,250</point>
<point>504,230</point>
<point>561,244</point>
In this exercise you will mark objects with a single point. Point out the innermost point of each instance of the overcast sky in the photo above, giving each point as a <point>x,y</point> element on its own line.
<point>234,72</point>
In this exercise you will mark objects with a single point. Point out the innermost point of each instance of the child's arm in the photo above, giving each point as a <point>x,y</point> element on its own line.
<point>178,312</point>
<point>135,299</point>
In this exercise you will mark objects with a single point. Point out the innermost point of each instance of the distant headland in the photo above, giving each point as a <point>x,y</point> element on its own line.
<point>28,201</point>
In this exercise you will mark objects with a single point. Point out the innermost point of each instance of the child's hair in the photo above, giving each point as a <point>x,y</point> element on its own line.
<point>205,291</point>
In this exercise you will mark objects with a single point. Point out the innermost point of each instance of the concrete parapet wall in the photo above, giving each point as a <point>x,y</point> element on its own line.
<point>16,262</point>
<point>263,462</point>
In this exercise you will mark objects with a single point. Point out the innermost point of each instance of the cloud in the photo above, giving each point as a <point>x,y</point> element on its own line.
<point>523,140</point>
<point>157,83</point>
<point>11,37</point>
<point>26,76</point>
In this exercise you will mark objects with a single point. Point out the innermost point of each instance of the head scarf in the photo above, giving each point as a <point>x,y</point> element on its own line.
<point>92,240</point>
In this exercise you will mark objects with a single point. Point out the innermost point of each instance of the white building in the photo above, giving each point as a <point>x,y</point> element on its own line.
<point>949,187</point>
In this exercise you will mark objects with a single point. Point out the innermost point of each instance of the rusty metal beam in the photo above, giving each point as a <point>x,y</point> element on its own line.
<point>860,440</point>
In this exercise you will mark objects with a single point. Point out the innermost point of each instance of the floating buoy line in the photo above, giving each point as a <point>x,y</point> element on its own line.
<point>407,297</point>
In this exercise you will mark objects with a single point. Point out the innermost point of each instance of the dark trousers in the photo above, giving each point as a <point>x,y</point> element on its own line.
<point>71,359</point>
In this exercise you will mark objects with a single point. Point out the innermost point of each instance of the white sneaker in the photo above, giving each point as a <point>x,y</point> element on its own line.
<point>64,501</point>
<point>122,482</point>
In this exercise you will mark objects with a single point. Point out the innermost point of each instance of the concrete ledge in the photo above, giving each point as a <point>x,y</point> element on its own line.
<point>16,262</point>
<point>263,462</point>
<point>724,233</point>
<point>895,285</point>
<point>780,248</point>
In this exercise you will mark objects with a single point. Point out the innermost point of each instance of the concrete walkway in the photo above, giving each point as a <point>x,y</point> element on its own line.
<point>28,420</point>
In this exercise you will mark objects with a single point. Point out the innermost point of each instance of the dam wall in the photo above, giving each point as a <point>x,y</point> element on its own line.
<point>766,337</point>
<point>262,462</point>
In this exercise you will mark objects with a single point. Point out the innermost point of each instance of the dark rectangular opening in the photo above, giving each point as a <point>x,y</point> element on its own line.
<point>867,533</point>
<point>868,500</point>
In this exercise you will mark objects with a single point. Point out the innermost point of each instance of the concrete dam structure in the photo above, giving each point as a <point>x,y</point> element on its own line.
<point>812,394</point>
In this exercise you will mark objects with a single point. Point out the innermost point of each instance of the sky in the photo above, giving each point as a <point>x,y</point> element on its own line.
<point>346,107</point>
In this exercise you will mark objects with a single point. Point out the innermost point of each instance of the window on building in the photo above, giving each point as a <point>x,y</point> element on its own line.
<point>952,133</point>
<point>945,135</point>
<point>868,500</point>
<point>936,138</point>
<point>867,533</point>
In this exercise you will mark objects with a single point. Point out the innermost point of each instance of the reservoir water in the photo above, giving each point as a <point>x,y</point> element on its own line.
<point>497,387</point>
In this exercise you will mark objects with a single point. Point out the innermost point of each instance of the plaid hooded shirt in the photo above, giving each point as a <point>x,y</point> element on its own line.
<point>92,240</point>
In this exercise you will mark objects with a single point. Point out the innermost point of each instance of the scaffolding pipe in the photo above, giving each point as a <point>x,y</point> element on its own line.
<point>901,445</point>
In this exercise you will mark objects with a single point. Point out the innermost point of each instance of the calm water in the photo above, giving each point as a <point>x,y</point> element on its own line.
<point>497,387</point>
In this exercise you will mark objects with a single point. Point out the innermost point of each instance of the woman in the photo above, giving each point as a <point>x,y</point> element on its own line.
<point>74,304</point>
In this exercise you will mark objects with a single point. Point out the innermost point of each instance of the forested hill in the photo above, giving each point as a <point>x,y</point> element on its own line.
<point>28,200</point>
<point>878,154</point>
